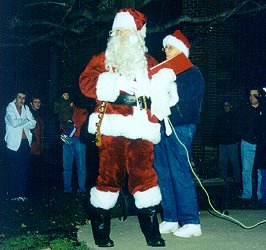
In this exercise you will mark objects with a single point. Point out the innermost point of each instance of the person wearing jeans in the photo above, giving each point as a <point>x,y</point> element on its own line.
<point>73,148</point>
<point>260,159</point>
<point>78,150</point>
<point>226,152</point>
<point>179,197</point>
<point>245,125</point>
<point>227,142</point>
<point>248,151</point>
<point>171,164</point>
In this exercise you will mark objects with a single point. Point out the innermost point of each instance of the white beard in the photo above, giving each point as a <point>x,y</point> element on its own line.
<point>126,55</point>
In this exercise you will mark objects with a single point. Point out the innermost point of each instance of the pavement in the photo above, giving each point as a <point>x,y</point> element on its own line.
<point>217,233</point>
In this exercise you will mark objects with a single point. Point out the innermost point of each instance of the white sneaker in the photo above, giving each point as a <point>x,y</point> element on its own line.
<point>189,230</point>
<point>168,227</point>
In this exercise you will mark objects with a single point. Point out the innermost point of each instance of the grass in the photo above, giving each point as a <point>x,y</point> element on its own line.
<point>44,222</point>
<point>42,242</point>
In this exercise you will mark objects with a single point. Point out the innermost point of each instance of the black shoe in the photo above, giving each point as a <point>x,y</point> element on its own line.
<point>157,242</point>
<point>101,227</point>
<point>150,227</point>
<point>105,243</point>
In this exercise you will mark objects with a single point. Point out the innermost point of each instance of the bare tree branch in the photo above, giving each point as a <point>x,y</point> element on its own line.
<point>143,3</point>
<point>205,20</point>
<point>29,41</point>
<point>46,3</point>
<point>69,10</point>
<point>85,20</point>
<point>59,27</point>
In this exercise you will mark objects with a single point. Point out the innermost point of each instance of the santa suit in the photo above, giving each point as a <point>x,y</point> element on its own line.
<point>127,136</point>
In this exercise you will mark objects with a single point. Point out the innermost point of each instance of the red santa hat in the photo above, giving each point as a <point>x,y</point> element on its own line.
<point>128,18</point>
<point>178,40</point>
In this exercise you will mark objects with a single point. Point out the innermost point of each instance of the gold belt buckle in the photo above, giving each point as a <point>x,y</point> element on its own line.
<point>142,102</point>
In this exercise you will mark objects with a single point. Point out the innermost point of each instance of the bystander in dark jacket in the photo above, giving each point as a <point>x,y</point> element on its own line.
<point>244,125</point>
<point>36,178</point>
<point>227,142</point>
<point>260,156</point>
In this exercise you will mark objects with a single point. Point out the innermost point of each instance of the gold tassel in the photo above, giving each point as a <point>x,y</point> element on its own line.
<point>101,110</point>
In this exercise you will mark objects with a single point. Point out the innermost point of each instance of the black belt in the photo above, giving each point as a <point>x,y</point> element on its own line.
<point>131,100</point>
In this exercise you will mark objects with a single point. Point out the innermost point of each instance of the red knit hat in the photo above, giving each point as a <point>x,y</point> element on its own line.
<point>128,18</point>
<point>178,40</point>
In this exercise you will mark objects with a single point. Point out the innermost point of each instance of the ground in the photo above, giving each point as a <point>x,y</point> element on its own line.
<point>52,214</point>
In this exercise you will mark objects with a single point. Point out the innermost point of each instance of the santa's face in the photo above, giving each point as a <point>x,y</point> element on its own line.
<point>130,34</point>
<point>126,52</point>
<point>124,32</point>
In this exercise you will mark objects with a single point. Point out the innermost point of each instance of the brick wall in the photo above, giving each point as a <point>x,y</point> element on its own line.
<point>202,54</point>
<point>215,52</point>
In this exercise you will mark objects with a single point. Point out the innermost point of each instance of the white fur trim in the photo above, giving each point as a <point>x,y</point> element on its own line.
<point>168,129</point>
<point>106,89</point>
<point>176,43</point>
<point>143,31</point>
<point>123,20</point>
<point>104,200</point>
<point>134,126</point>
<point>162,93</point>
<point>148,198</point>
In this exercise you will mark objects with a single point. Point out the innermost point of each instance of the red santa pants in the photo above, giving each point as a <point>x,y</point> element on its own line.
<point>119,156</point>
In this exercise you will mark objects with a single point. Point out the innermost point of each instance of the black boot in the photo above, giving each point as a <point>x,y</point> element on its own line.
<point>150,227</point>
<point>100,223</point>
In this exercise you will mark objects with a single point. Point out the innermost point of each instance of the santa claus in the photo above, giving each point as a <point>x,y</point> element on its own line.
<point>119,80</point>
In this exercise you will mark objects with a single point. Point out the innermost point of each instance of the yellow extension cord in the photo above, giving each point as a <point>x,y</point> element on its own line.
<point>221,215</point>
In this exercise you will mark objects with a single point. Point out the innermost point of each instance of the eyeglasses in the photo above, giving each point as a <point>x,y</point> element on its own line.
<point>168,48</point>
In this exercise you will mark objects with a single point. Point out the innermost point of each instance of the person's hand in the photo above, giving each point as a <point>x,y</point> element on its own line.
<point>166,76</point>
<point>126,85</point>
<point>142,85</point>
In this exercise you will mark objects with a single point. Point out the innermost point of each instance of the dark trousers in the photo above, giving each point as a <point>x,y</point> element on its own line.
<point>36,175</point>
<point>263,185</point>
<point>18,167</point>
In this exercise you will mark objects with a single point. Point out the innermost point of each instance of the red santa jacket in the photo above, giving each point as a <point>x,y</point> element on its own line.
<point>118,120</point>
<point>79,117</point>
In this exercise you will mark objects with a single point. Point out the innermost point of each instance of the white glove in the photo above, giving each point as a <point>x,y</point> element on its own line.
<point>163,93</point>
<point>165,76</point>
<point>126,85</point>
<point>173,95</point>
<point>142,85</point>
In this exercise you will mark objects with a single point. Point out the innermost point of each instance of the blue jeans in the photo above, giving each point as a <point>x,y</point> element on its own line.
<point>179,196</point>
<point>247,157</point>
<point>226,153</point>
<point>78,150</point>
<point>262,185</point>
<point>18,163</point>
